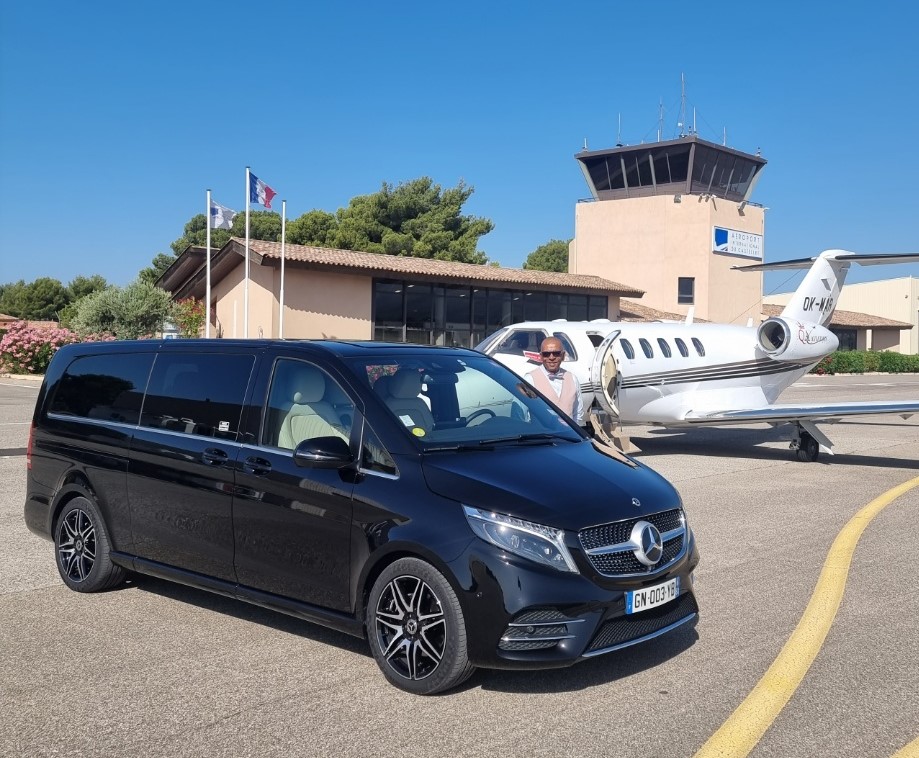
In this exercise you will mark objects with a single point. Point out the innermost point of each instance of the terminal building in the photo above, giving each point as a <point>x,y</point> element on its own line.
<point>661,234</point>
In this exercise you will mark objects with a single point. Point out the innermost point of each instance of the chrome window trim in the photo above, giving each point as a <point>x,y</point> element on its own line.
<point>140,427</point>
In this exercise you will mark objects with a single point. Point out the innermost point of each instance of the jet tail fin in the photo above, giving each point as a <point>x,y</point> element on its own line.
<point>816,297</point>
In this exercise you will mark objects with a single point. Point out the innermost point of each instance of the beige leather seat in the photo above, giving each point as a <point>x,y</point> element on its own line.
<point>404,400</point>
<point>310,416</point>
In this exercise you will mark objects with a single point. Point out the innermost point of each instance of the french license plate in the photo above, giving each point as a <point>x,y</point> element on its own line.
<point>637,601</point>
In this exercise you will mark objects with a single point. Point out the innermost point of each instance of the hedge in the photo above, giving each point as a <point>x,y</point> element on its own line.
<point>865,362</point>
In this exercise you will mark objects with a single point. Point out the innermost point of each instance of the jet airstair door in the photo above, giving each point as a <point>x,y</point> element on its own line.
<point>604,375</point>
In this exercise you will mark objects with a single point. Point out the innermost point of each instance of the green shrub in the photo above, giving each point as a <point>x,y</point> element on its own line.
<point>866,361</point>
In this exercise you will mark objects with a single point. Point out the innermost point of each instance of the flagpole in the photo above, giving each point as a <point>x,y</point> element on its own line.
<point>246,291</point>
<point>207,287</point>
<point>283,235</point>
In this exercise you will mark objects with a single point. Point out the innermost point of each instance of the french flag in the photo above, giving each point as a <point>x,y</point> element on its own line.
<point>259,192</point>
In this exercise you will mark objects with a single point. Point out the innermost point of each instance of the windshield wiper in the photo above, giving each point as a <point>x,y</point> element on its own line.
<point>542,438</point>
<point>454,448</point>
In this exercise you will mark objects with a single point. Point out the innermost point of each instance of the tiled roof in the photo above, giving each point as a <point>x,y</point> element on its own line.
<point>434,269</point>
<point>849,318</point>
<point>629,310</point>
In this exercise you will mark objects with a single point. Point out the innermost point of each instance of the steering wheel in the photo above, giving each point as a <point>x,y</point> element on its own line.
<point>480,412</point>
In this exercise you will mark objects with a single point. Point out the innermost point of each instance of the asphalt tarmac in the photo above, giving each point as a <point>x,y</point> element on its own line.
<point>157,669</point>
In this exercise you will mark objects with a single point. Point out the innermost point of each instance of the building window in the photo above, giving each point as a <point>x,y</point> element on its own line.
<point>458,315</point>
<point>686,290</point>
<point>848,338</point>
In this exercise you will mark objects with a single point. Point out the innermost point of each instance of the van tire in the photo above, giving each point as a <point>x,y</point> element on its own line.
<point>82,547</point>
<point>416,628</point>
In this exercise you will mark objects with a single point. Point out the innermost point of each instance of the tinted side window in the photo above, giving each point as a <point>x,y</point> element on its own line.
<point>646,347</point>
<point>698,345</point>
<point>627,349</point>
<point>665,348</point>
<point>684,351</point>
<point>108,387</point>
<point>198,394</point>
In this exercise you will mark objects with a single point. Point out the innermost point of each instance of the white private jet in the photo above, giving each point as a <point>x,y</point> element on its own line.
<point>684,374</point>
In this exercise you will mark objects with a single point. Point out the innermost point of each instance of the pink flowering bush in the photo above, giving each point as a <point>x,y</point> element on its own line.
<point>27,350</point>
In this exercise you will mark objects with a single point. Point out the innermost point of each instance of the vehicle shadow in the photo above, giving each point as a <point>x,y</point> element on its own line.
<point>588,673</point>
<point>753,444</point>
<point>247,612</point>
<point>591,672</point>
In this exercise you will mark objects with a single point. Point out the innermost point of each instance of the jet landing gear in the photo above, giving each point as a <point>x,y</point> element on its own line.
<point>808,448</point>
<point>807,441</point>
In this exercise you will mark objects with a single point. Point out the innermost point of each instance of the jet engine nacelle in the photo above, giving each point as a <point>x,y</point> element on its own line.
<point>793,340</point>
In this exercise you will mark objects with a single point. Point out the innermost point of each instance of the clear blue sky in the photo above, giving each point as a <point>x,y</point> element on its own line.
<point>115,117</point>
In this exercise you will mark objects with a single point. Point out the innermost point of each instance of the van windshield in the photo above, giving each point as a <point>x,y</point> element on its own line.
<point>445,401</point>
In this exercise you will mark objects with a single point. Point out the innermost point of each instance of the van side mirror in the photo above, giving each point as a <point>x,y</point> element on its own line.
<point>323,452</point>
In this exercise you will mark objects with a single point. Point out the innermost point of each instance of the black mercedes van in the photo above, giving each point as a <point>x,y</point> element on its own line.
<point>423,497</point>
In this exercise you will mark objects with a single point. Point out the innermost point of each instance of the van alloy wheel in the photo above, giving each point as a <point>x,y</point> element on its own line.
<point>82,548</point>
<point>76,545</point>
<point>416,629</point>
<point>411,627</point>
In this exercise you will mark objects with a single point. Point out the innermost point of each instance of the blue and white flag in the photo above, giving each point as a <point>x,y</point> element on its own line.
<point>221,216</point>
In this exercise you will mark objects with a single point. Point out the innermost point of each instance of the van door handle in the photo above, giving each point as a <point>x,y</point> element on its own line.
<point>214,457</point>
<point>257,466</point>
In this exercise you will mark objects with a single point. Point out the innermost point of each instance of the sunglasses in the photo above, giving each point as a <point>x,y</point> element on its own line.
<point>551,353</point>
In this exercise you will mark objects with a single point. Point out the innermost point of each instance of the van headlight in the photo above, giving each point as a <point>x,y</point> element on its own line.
<point>542,544</point>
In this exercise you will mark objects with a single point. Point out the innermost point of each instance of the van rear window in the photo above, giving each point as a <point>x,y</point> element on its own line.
<point>198,393</point>
<point>107,387</point>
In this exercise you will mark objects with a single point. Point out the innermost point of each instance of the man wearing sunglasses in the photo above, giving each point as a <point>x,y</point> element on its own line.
<point>557,384</point>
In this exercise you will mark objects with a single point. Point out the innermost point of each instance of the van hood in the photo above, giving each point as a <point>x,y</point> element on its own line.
<point>566,485</point>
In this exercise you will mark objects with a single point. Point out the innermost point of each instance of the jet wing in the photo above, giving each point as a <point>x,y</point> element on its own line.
<point>777,414</point>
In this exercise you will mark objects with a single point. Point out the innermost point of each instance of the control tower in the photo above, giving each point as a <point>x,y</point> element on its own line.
<point>673,218</point>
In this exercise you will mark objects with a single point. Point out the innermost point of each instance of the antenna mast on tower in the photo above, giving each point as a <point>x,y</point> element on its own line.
<point>682,121</point>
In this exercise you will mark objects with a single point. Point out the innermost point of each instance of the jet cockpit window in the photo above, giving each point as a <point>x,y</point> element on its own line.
<point>570,353</point>
<point>665,348</point>
<point>698,345</point>
<point>681,346</point>
<point>628,349</point>
<point>521,340</point>
<point>646,347</point>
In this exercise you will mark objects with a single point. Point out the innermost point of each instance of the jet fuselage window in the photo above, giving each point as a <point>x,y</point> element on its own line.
<point>684,351</point>
<point>646,347</point>
<point>698,345</point>
<point>665,348</point>
<point>627,349</point>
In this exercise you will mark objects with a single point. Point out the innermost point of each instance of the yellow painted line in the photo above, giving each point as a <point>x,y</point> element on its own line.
<point>749,722</point>
<point>908,751</point>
